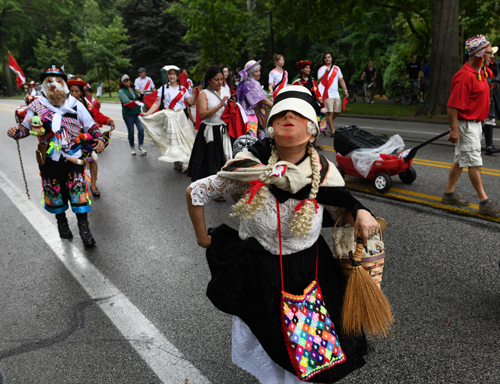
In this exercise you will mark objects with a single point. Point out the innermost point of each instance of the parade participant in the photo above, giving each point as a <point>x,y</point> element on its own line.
<point>89,95</point>
<point>491,73</point>
<point>32,91</point>
<point>292,188</point>
<point>187,83</point>
<point>130,113</point>
<point>227,82</point>
<point>169,128</point>
<point>305,79</point>
<point>212,147</point>
<point>143,85</point>
<point>329,77</point>
<point>278,77</point>
<point>468,106</point>
<point>59,152</point>
<point>253,99</point>
<point>76,88</point>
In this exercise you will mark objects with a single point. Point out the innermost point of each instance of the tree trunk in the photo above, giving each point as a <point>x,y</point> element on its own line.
<point>214,34</point>
<point>109,82</point>
<point>5,60</point>
<point>444,55</point>
<point>250,8</point>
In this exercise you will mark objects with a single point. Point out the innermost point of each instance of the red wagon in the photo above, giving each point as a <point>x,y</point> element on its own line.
<point>382,170</point>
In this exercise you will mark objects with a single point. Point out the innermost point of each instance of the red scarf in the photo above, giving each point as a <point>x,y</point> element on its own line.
<point>177,98</point>
<point>147,85</point>
<point>327,81</point>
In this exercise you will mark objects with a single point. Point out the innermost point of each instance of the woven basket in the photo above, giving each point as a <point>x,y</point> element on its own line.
<point>373,264</point>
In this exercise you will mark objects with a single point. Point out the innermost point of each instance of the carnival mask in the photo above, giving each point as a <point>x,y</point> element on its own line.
<point>290,129</point>
<point>55,88</point>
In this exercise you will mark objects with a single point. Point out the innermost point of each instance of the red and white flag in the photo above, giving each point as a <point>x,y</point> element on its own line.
<point>20,78</point>
<point>134,104</point>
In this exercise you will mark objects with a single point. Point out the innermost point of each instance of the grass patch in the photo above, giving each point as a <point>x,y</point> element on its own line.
<point>387,109</point>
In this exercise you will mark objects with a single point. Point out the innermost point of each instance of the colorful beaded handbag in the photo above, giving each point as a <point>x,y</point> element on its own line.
<point>309,332</point>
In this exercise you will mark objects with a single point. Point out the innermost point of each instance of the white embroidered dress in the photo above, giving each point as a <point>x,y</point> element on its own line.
<point>247,352</point>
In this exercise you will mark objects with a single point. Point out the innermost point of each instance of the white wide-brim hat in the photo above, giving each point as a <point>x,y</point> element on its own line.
<point>169,67</point>
<point>297,99</point>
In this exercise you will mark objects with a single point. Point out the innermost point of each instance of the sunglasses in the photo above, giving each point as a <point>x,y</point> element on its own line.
<point>126,80</point>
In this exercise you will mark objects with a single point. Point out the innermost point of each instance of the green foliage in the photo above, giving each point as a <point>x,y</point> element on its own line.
<point>51,52</point>
<point>163,45</point>
<point>109,86</point>
<point>217,26</point>
<point>103,47</point>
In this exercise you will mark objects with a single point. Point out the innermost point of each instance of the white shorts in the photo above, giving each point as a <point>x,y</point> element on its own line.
<point>468,146</point>
<point>333,105</point>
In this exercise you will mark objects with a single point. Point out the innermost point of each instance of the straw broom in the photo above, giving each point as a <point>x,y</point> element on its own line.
<point>366,309</point>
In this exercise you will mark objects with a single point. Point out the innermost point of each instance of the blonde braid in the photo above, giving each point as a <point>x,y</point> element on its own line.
<point>302,219</point>
<point>247,211</point>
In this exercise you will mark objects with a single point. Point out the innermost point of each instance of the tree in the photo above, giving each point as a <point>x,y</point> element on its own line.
<point>164,44</point>
<point>52,52</point>
<point>444,54</point>
<point>104,47</point>
<point>217,26</point>
<point>10,11</point>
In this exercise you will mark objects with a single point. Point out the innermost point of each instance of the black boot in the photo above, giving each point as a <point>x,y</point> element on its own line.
<point>488,138</point>
<point>64,231</point>
<point>63,227</point>
<point>85,234</point>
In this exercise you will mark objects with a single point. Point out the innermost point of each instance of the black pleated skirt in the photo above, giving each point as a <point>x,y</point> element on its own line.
<point>246,282</point>
<point>206,159</point>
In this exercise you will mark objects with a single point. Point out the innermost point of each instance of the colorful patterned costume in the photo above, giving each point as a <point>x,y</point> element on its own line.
<point>62,180</point>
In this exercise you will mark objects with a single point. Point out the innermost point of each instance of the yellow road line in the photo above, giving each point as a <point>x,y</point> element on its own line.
<point>432,163</point>
<point>444,207</point>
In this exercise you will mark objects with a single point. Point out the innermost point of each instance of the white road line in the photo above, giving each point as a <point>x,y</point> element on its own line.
<point>166,361</point>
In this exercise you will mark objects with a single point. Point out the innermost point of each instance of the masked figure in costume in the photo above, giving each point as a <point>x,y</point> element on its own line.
<point>286,192</point>
<point>60,151</point>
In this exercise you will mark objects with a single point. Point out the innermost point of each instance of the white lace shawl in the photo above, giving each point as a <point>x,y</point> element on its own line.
<point>264,225</point>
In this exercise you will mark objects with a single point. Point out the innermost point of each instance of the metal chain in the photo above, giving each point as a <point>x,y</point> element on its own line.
<point>22,168</point>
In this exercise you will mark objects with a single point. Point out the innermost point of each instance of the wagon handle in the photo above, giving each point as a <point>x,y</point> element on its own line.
<point>414,150</point>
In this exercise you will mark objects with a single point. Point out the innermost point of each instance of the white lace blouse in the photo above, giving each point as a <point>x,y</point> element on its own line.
<point>264,225</point>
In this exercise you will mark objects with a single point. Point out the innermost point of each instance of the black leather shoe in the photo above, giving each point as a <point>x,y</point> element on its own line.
<point>85,234</point>
<point>491,150</point>
<point>64,231</point>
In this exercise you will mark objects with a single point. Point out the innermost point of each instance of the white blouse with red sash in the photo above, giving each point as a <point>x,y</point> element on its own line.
<point>174,97</point>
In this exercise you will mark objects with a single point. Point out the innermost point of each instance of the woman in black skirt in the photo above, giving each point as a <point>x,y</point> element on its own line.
<point>212,146</point>
<point>283,172</point>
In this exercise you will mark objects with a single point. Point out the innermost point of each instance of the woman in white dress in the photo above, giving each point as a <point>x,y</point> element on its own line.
<point>169,128</point>
<point>290,183</point>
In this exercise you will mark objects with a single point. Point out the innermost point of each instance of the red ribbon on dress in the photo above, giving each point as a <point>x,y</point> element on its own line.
<point>255,186</point>
<point>301,204</point>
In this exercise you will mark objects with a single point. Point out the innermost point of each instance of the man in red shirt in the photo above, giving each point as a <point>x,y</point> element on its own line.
<point>468,106</point>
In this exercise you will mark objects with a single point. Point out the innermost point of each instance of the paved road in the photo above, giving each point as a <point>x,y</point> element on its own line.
<point>133,309</point>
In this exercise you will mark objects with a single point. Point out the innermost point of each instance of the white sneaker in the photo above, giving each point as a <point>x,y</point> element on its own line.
<point>132,150</point>
<point>372,102</point>
<point>141,151</point>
